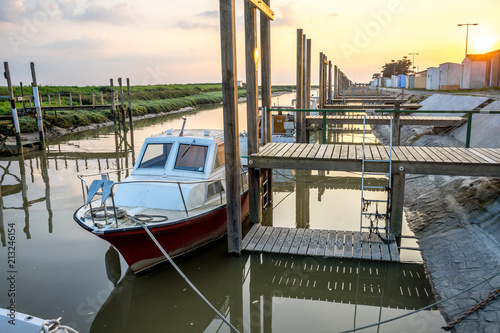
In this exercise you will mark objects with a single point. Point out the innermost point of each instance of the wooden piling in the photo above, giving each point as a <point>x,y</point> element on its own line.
<point>231,128</point>
<point>298,115</point>
<point>320,78</point>
<point>303,122</point>
<point>330,85</point>
<point>22,96</point>
<point>397,179</point>
<point>265,56</point>
<point>122,106</point>
<point>308,78</point>
<point>15,119</point>
<point>38,108</point>
<point>113,105</point>
<point>252,109</point>
<point>70,100</point>
<point>129,109</point>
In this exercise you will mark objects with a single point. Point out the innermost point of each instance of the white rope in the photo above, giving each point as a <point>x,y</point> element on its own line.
<point>54,325</point>
<point>186,278</point>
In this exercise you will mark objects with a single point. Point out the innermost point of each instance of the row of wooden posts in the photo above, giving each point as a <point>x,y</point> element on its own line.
<point>118,108</point>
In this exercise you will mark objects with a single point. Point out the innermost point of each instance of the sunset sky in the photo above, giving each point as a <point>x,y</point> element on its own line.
<point>86,42</point>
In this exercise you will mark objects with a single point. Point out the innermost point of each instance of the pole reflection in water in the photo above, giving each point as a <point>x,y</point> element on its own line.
<point>265,292</point>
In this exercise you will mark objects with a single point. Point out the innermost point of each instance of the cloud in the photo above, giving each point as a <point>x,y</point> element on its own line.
<point>11,10</point>
<point>118,14</point>
<point>333,15</point>
<point>190,25</point>
<point>213,14</point>
<point>287,16</point>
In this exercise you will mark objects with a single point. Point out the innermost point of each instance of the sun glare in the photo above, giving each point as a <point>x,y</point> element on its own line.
<point>483,44</point>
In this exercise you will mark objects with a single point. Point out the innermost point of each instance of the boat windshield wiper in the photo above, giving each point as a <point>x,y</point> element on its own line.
<point>189,147</point>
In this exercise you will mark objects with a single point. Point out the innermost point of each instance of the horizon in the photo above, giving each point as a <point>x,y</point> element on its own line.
<point>86,42</point>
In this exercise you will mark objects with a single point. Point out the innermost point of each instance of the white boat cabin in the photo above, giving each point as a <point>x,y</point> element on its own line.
<point>187,162</point>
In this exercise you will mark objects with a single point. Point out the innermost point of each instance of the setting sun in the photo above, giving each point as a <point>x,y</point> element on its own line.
<point>483,44</point>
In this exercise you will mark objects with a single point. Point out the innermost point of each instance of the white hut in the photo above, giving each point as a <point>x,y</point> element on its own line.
<point>474,71</point>
<point>432,78</point>
<point>449,76</point>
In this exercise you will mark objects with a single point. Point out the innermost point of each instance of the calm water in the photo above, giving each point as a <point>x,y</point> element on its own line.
<point>63,270</point>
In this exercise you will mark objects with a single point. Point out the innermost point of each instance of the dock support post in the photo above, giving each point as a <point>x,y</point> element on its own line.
<point>308,77</point>
<point>265,51</point>
<point>15,119</point>
<point>122,106</point>
<point>231,130</point>
<point>396,125</point>
<point>335,81</point>
<point>36,98</point>
<point>129,109</point>
<point>397,202</point>
<point>113,105</point>
<point>397,180</point>
<point>252,109</point>
<point>320,78</point>
<point>300,76</point>
<point>330,92</point>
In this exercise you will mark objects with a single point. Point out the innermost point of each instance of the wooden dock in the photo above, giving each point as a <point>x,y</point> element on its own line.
<point>320,243</point>
<point>405,159</point>
<point>385,120</point>
<point>379,106</point>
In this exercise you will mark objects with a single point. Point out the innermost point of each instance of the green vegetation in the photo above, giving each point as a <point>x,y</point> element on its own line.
<point>145,99</point>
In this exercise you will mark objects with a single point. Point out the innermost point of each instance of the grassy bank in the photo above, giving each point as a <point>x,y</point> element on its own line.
<point>145,99</point>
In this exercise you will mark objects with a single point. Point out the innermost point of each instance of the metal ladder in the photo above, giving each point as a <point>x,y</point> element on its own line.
<point>368,212</point>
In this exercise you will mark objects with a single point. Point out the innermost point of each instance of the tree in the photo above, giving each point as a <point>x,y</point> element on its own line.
<point>397,67</point>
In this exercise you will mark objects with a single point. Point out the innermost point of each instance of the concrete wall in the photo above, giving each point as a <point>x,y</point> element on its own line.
<point>432,78</point>
<point>421,80</point>
<point>449,76</point>
<point>473,74</point>
<point>495,71</point>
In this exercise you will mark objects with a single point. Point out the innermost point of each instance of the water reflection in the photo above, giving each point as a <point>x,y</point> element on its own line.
<point>253,290</point>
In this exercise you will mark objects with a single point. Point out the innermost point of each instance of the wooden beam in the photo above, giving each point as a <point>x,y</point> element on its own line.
<point>231,129</point>
<point>263,7</point>
<point>300,69</point>
<point>265,56</point>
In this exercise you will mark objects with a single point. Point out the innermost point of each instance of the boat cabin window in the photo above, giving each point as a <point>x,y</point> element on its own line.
<point>191,157</point>
<point>220,157</point>
<point>156,155</point>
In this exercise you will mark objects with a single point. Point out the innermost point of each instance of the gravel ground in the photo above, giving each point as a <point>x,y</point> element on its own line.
<point>457,222</point>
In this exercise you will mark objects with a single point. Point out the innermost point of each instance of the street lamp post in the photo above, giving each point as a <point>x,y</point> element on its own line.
<point>466,34</point>
<point>413,61</point>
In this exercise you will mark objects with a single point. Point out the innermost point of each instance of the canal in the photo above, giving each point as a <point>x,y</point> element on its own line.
<point>62,270</point>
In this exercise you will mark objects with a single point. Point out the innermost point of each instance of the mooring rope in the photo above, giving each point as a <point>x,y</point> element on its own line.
<point>184,276</point>
<point>54,325</point>
<point>421,309</point>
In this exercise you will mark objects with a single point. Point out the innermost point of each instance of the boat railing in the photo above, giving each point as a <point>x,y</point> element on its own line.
<point>111,187</point>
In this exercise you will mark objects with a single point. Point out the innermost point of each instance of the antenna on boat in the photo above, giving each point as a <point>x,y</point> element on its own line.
<point>183,124</point>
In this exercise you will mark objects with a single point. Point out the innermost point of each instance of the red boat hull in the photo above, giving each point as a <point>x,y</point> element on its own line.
<point>141,253</point>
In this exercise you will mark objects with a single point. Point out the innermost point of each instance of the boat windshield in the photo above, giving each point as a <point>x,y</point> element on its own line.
<point>156,155</point>
<point>191,157</point>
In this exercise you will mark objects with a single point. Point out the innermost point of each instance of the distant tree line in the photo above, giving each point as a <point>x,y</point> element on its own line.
<point>395,67</point>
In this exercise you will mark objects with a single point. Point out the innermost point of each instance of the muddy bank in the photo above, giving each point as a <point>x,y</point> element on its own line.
<point>457,222</point>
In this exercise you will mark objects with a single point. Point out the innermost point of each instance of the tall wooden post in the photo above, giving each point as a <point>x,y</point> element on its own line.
<point>252,109</point>
<point>303,119</point>
<point>231,129</point>
<point>36,98</point>
<point>336,81</point>
<point>15,118</point>
<point>265,56</point>
<point>129,109</point>
<point>122,105</point>
<point>325,83</point>
<point>300,69</point>
<point>308,78</point>
<point>330,84</point>
<point>320,78</point>
<point>113,105</point>
<point>397,180</point>
<point>22,96</point>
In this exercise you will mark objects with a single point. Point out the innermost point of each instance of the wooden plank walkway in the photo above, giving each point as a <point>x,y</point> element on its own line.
<point>379,106</point>
<point>320,243</point>
<point>405,159</point>
<point>385,120</point>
